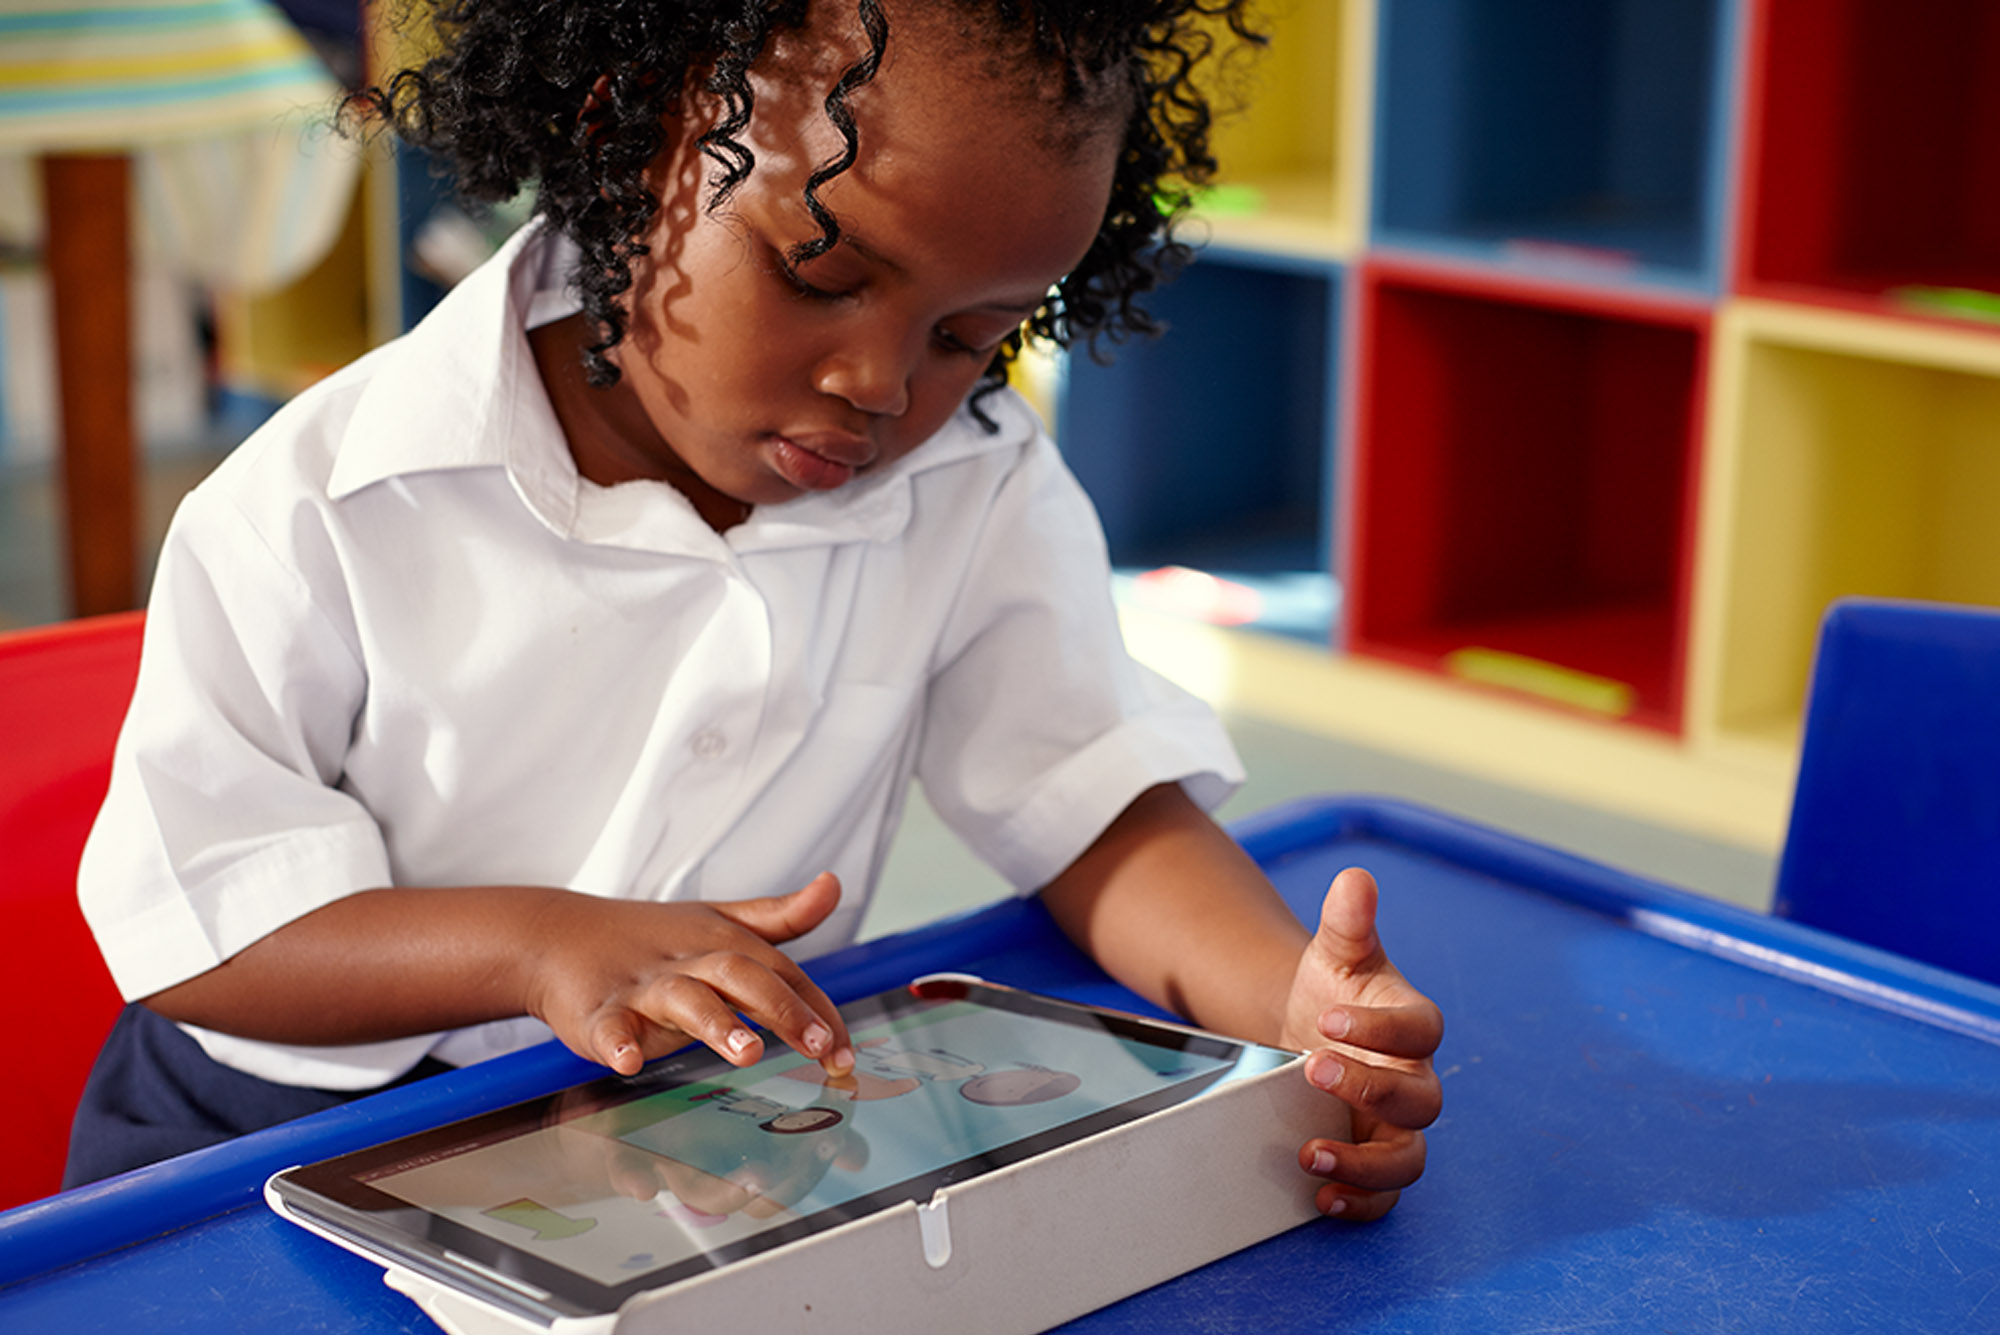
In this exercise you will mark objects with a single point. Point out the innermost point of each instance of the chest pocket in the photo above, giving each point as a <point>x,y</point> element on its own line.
<point>833,806</point>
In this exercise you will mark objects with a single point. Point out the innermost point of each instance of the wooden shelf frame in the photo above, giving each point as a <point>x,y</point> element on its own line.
<point>1301,143</point>
<point>1850,455</point>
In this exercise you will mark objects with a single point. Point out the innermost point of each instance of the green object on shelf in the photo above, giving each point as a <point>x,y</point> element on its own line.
<point>1233,201</point>
<point>1223,201</point>
<point>1550,681</point>
<point>1967,303</point>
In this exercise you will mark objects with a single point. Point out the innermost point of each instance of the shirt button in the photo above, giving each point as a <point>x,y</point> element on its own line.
<point>708,744</point>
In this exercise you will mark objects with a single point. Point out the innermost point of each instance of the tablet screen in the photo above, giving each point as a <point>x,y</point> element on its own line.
<point>569,1204</point>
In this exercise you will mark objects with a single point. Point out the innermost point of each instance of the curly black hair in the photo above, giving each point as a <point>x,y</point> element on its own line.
<point>567,97</point>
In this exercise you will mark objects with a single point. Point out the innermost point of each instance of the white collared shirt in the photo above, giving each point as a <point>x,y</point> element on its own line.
<point>396,639</point>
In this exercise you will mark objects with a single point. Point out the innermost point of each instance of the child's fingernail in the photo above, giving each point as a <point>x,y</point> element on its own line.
<point>817,1037</point>
<point>1323,1071</point>
<point>842,1060</point>
<point>1337,1205</point>
<point>1323,1162</point>
<point>1336,1024</point>
<point>740,1041</point>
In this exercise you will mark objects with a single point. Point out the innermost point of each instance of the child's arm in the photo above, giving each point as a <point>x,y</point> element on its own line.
<point>618,981</point>
<point>1174,909</point>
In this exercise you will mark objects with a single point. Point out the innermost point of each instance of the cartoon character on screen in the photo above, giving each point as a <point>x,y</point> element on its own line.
<point>804,1122</point>
<point>744,1152</point>
<point>884,1069</point>
<point>739,1104</point>
<point>891,1060</point>
<point>1017,1086</point>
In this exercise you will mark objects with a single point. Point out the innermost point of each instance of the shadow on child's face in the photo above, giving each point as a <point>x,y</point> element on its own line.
<point>751,376</point>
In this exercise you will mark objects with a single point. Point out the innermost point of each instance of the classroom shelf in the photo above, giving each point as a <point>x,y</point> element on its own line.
<point>1584,136</point>
<point>1294,157</point>
<point>1852,455</point>
<point>1872,150</point>
<point>1209,448</point>
<point>1523,461</point>
<point>1629,386</point>
<point>1639,773</point>
<point>1564,332</point>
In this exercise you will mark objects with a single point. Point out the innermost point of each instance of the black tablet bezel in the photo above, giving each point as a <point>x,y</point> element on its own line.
<point>333,1194</point>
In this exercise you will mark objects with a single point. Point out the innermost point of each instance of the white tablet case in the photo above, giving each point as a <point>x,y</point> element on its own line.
<point>1021,1249</point>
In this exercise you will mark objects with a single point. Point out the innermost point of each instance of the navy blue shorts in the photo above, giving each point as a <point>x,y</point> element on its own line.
<point>154,1093</point>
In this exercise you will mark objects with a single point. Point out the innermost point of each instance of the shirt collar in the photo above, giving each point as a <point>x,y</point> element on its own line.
<point>461,390</point>
<point>457,390</point>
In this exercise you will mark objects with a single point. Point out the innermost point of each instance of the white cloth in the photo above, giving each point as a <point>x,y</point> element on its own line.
<point>397,640</point>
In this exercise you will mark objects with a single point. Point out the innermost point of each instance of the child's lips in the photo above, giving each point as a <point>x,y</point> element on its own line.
<point>821,461</point>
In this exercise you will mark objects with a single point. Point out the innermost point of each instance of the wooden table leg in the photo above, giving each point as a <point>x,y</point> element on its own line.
<point>87,205</point>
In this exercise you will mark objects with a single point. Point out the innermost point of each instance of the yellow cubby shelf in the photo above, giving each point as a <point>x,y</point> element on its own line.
<point>1300,143</point>
<point>1638,773</point>
<point>274,344</point>
<point>1849,455</point>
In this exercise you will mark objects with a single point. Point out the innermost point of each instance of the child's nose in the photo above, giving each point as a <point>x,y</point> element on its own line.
<point>874,377</point>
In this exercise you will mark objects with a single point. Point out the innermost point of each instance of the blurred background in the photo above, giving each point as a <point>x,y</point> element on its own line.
<point>1547,368</point>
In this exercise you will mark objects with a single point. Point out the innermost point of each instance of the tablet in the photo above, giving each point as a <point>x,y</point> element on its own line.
<point>568,1205</point>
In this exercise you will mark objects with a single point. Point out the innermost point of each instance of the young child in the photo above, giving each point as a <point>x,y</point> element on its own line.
<point>550,668</point>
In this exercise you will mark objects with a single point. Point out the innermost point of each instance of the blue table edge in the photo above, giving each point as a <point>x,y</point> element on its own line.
<point>102,1217</point>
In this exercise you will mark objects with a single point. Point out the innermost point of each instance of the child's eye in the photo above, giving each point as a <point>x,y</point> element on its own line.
<point>798,284</point>
<point>951,342</point>
<point>983,339</point>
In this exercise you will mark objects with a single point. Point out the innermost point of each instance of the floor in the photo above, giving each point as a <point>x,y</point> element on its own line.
<point>32,591</point>
<point>929,873</point>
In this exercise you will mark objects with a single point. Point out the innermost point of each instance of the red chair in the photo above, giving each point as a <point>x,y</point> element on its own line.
<point>63,693</point>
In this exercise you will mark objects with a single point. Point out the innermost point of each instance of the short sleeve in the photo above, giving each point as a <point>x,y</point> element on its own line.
<point>224,819</point>
<point>1039,727</point>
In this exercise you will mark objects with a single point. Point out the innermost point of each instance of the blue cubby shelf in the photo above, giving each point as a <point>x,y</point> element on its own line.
<point>420,188</point>
<point>1588,140</point>
<point>1211,449</point>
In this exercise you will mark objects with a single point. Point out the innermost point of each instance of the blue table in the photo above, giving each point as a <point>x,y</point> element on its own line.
<point>1661,1114</point>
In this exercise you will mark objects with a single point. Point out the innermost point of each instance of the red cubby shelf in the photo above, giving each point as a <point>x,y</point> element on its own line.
<point>1523,479</point>
<point>1871,151</point>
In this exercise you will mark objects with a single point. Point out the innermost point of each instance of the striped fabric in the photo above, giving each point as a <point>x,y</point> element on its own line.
<point>78,75</point>
<point>247,212</point>
<point>224,108</point>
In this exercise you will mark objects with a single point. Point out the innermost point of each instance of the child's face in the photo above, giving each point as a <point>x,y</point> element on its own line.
<point>748,382</point>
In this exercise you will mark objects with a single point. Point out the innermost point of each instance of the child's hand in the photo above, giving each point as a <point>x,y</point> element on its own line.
<point>623,982</point>
<point>1383,1032</point>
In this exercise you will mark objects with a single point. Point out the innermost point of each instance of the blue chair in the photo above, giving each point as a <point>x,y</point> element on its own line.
<point>1895,830</point>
